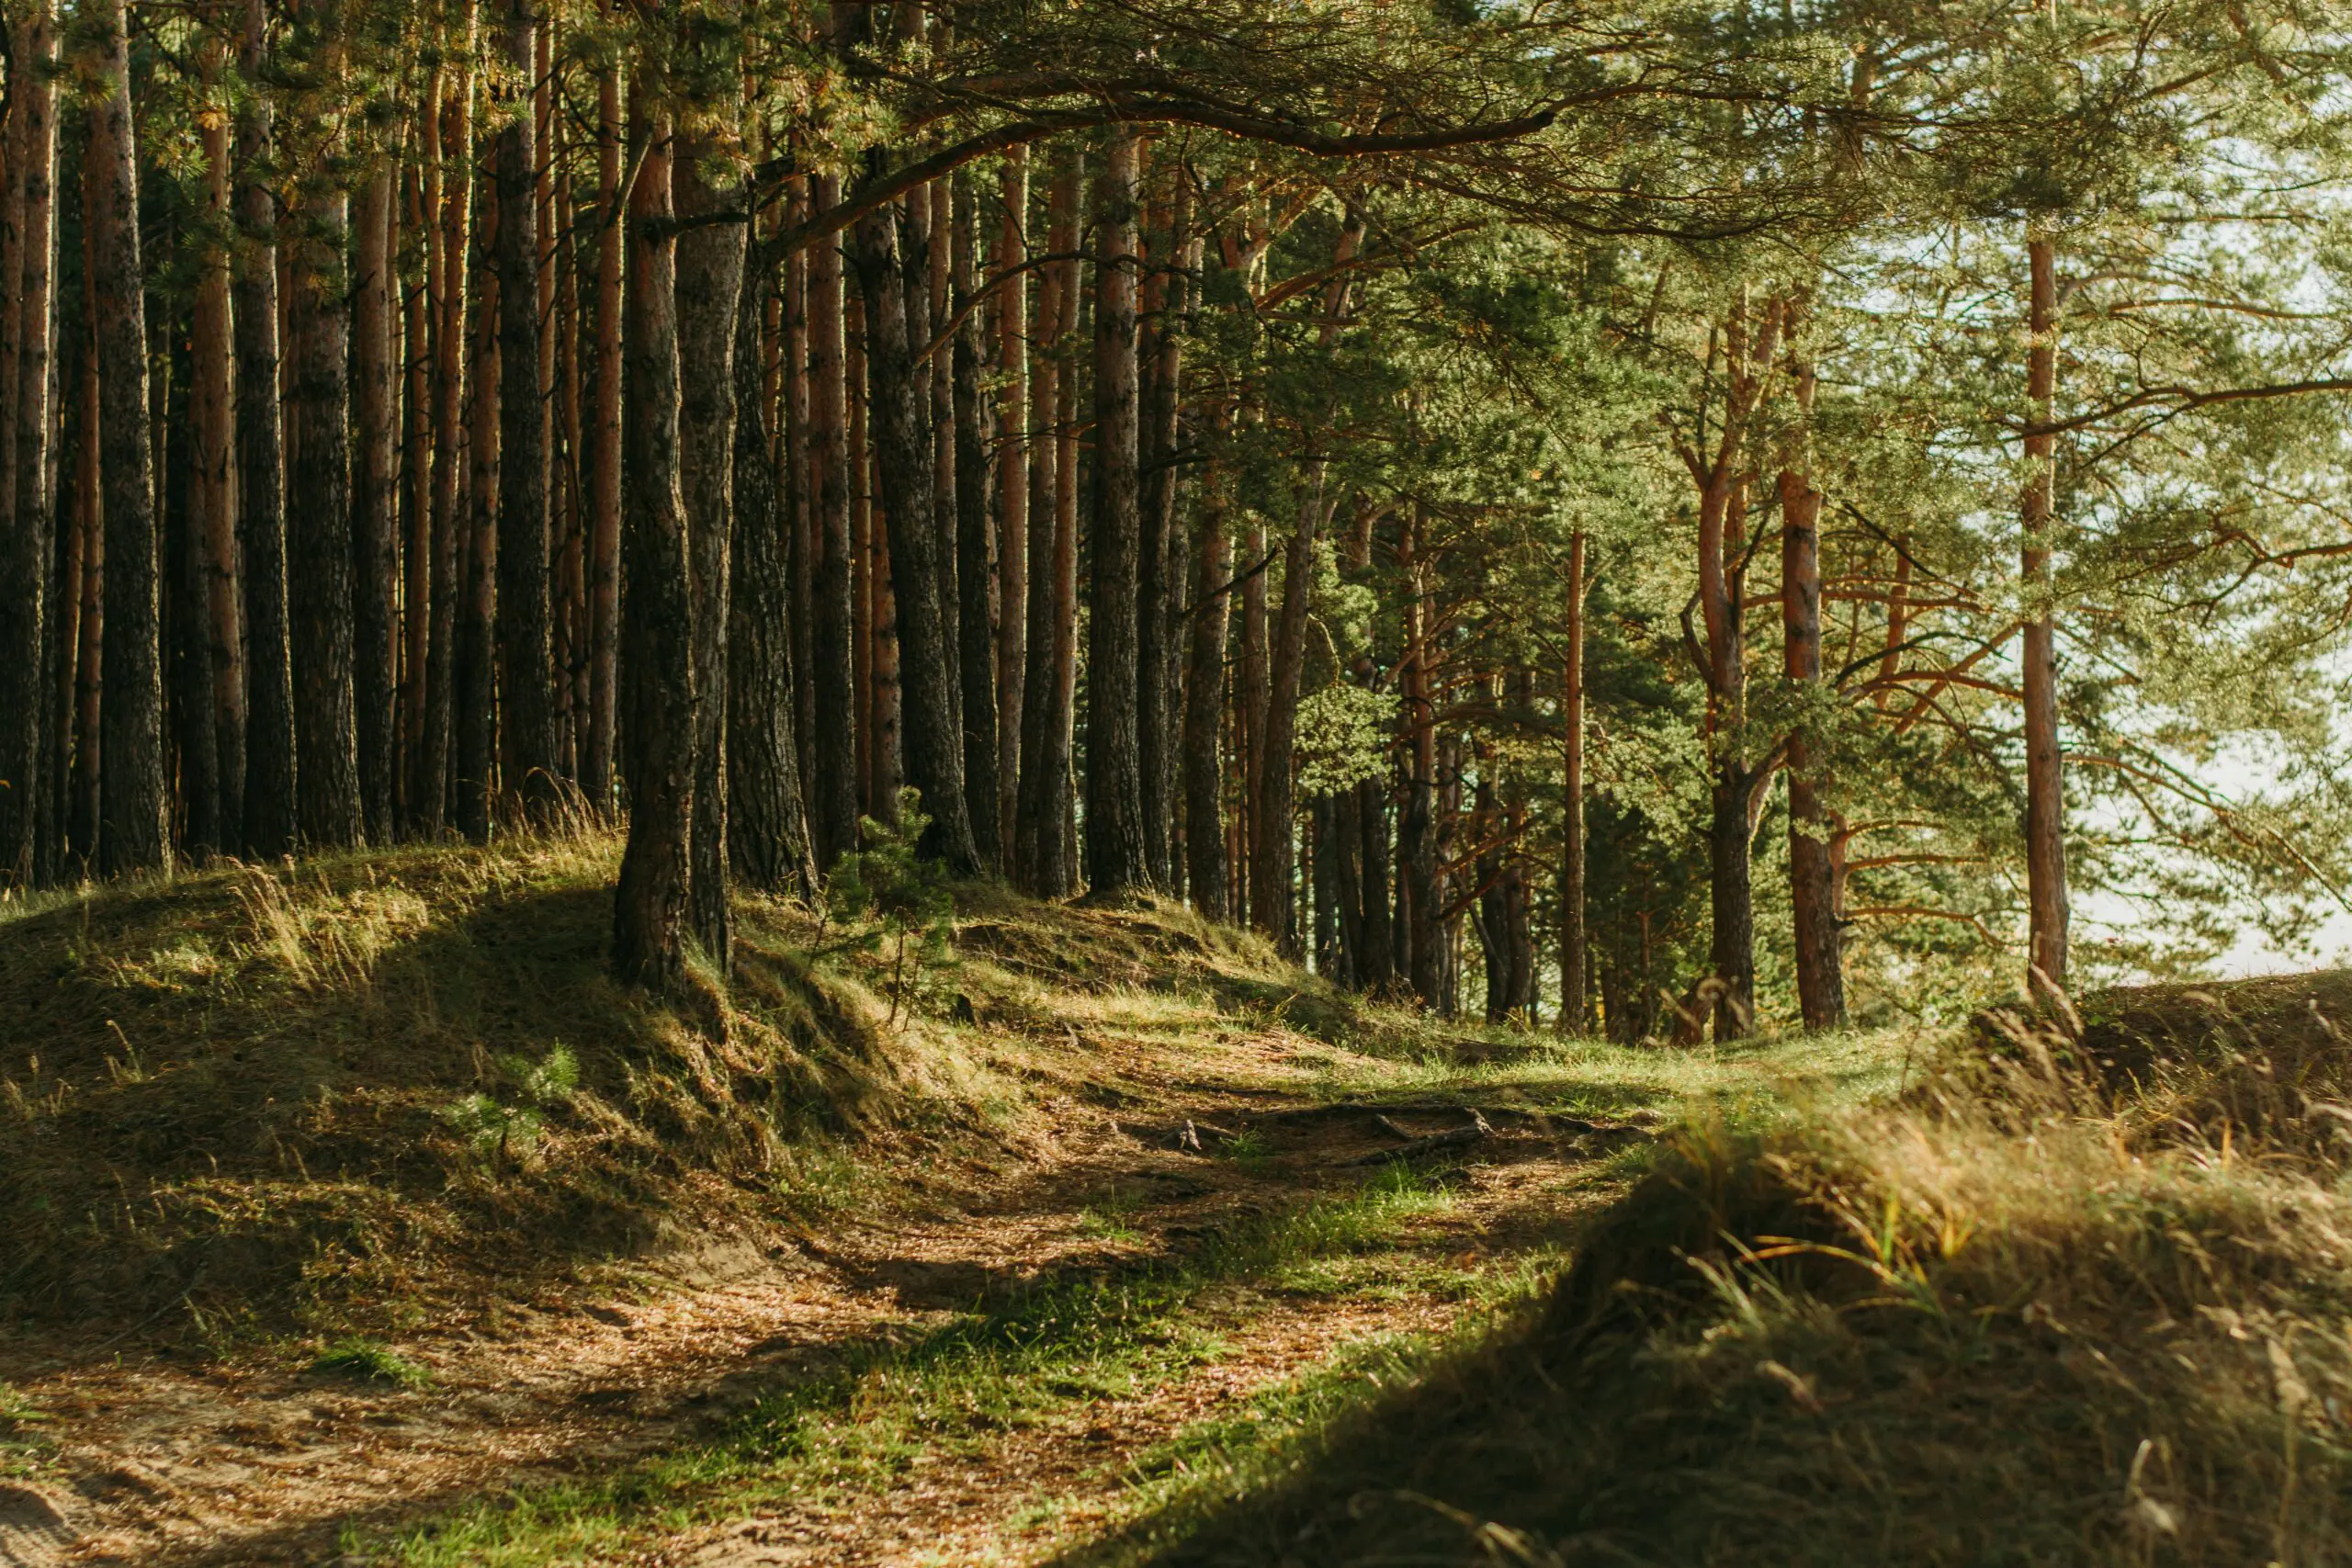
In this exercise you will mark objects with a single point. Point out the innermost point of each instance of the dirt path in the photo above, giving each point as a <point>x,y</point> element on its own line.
<point>252,1464</point>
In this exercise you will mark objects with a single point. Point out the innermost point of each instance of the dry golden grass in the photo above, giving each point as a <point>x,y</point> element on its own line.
<point>2045,1312</point>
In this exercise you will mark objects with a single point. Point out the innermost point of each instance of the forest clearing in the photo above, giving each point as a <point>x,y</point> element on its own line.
<point>1120,782</point>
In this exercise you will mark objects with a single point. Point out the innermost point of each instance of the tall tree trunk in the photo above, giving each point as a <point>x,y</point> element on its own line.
<point>767,826</point>
<point>319,546</point>
<point>800,494</point>
<point>1749,352</point>
<point>1421,913</point>
<point>1161,554</point>
<point>524,663</point>
<point>1013,491</point>
<point>450,175</point>
<point>974,569</point>
<point>710,288</point>
<point>603,438</point>
<point>418,302</point>
<point>187,619</point>
<point>376,515</point>
<point>657,655</point>
<point>1115,860</point>
<point>901,391</point>
<point>1821,980</point>
<point>212,495</point>
<point>1376,961</point>
<point>134,832</point>
<point>1203,705</point>
<point>1575,1015</point>
<point>29,614</point>
<point>1249,699</point>
<point>1040,845</point>
<point>833,784</point>
<point>476,721</point>
<point>2045,811</point>
<point>89,526</point>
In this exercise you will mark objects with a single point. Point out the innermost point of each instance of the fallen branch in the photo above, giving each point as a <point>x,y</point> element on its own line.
<point>1477,1131</point>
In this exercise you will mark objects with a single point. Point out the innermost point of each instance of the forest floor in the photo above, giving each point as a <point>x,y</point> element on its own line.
<point>354,1217</point>
<point>1093,1225</point>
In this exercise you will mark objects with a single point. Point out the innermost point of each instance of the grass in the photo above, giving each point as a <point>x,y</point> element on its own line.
<point>948,1394</point>
<point>369,1361</point>
<point>2035,1313</point>
<point>365,1091</point>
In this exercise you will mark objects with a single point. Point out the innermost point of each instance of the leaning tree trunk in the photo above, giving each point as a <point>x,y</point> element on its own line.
<point>1116,861</point>
<point>376,515</point>
<point>710,285</point>
<point>657,635</point>
<point>134,827</point>
<point>526,667</point>
<point>767,826</point>
<point>900,402</point>
<point>2045,811</point>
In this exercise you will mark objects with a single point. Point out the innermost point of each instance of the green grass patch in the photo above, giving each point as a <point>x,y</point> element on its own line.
<point>853,1431</point>
<point>365,1361</point>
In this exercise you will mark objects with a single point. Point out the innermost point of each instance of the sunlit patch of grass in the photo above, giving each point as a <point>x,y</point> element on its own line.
<point>366,1361</point>
<point>952,1392</point>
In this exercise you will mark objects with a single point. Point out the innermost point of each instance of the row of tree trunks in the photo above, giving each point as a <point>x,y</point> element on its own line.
<point>30,609</point>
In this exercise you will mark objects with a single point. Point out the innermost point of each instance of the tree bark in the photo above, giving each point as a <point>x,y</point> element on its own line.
<point>767,827</point>
<point>2045,812</point>
<point>1203,707</point>
<point>710,286</point>
<point>212,495</point>
<point>1575,1014</point>
<point>1161,551</point>
<point>656,653</point>
<point>375,667</point>
<point>975,567</point>
<point>1421,913</point>
<point>134,832</point>
<point>448,177</point>
<point>1250,698</point>
<point>800,494</point>
<point>1042,859</point>
<point>834,781</point>
<point>89,586</point>
<point>900,402</point>
<point>476,720</point>
<point>1013,491</point>
<point>318,537</point>
<point>29,614</point>
<point>1116,863</point>
<point>524,664</point>
<point>1821,980</point>
<point>604,439</point>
